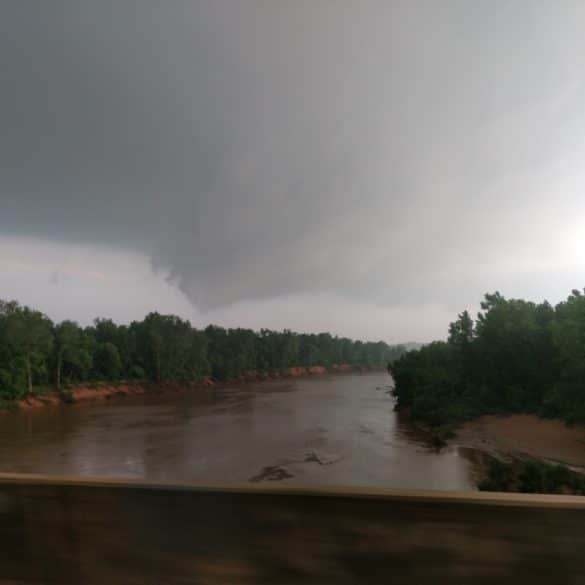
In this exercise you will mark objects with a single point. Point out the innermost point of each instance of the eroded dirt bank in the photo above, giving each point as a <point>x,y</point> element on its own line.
<point>525,435</point>
<point>104,390</point>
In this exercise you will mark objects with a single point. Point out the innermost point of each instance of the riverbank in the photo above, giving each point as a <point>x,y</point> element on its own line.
<point>106,390</point>
<point>524,435</point>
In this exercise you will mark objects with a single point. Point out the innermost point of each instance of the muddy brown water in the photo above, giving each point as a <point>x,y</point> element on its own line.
<point>330,430</point>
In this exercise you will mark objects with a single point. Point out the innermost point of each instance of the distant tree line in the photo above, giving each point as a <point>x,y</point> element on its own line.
<point>517,356</point>
<point>37,354</point>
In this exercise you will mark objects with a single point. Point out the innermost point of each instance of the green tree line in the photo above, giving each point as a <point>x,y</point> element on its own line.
<point>37,354</point>
<point>516,356</point>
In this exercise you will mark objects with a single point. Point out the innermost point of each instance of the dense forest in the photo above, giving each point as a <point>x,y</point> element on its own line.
<point>37,354</point>
<point>517,356</point>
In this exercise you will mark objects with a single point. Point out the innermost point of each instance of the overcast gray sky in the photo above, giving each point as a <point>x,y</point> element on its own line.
<point>368,167</point>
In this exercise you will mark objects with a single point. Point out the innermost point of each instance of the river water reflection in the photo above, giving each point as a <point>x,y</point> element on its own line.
<point>337,430</point>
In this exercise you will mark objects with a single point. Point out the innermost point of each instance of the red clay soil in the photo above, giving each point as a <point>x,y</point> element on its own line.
<point>528,435</point>
<point>104,391</point>
<point>95,392</point>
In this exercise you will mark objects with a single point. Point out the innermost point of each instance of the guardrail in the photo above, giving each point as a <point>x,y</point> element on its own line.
<point>86,531</point>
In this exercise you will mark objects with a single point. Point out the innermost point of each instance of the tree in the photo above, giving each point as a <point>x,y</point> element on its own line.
<point>461,332</point>
<point>108,361</point>
<point>67,335</point>
<point>159,348</point>
<point>30,333</point>
<point>166,347</point>
<point>518,357</point>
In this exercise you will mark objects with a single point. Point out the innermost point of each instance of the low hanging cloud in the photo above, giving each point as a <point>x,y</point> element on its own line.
<point>390,152</point>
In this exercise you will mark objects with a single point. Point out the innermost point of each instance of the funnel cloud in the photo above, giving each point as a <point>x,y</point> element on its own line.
<point>273,158</point>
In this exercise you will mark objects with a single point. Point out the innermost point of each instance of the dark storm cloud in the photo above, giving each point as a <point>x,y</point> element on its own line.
<point>256,149</point>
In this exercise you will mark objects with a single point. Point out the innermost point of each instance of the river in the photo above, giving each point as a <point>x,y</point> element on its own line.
<point>328,430</point>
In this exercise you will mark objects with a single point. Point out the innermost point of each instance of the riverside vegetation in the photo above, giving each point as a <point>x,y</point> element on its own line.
<point>39,356</point>
<point>516,357</point>
<point>531,476</point>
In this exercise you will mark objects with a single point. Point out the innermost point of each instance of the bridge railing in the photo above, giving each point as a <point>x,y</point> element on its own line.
<point>86,531</point>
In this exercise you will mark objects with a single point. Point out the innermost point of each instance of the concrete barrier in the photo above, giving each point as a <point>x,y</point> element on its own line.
<point>69,530</point>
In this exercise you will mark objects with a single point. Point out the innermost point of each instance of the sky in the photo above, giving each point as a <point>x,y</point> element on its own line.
<point>369,168</point>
